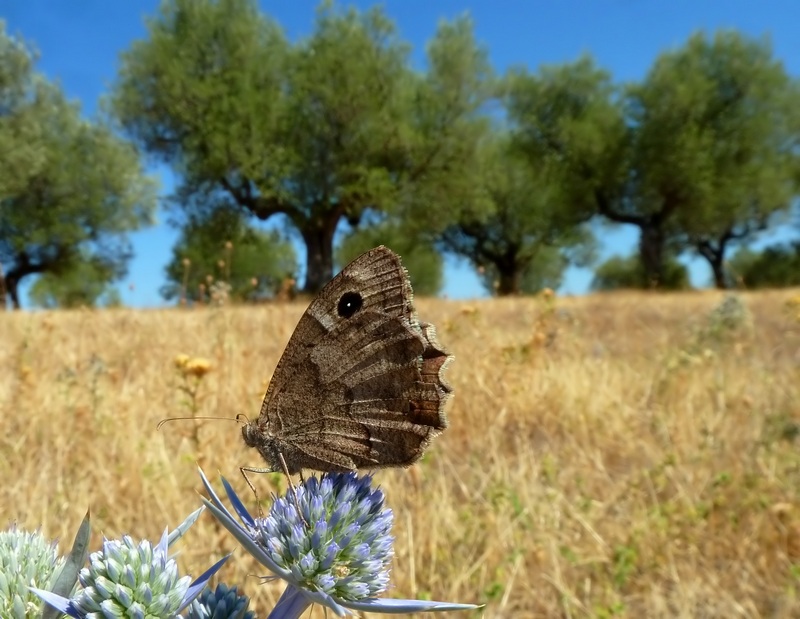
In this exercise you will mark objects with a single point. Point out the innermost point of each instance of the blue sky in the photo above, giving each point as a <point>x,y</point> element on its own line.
<point>80,43</point>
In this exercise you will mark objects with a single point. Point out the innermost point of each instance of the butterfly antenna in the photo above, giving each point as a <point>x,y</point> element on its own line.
<point>163,421</point>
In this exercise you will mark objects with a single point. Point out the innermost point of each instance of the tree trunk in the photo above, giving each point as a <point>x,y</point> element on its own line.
<point>720,281</point>
<point>715,255</point>
<point>509,282</point>
<point>12,288</point>
<point>21,269</point>
<point>2,288</point>
<point>651,252</point>
<point>716,260</point>
<point>319,252</point>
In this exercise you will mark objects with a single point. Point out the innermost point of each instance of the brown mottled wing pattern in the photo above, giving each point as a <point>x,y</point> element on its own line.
<point>363,391</point>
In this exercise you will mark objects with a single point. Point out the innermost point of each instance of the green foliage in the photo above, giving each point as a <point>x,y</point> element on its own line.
<point>700,154</point>
<point>84,189</point>
<point>720,119</point>
<point>293,130</point>
<point>773,267</point>
<point>424,264</point>
<point>204,89</point>
<point>447,125</point>
<point>86,283</point>
<point>545,270</point>
<point>221,251</point>
<point>624,565</point>
<point>721,331</point>
<point>618,273</point>
<point>22,100</point>
<point>718,122</point>
<point>569,124</point>
<point>727,320</point>
<point>318,131</point>
<point>516,231</point>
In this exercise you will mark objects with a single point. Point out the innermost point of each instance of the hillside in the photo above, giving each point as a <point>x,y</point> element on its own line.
<point>626,454</point>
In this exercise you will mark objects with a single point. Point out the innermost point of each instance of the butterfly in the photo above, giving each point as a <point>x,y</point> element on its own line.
<point>359,385</point>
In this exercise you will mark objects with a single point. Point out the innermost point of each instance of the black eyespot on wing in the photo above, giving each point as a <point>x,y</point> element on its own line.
<point>349,304</point>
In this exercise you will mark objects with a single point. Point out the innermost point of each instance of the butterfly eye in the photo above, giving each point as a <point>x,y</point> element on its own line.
<point>349,304</point>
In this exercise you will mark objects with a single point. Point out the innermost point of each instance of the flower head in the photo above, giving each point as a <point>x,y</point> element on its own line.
<point>221,603</point>
<point>126,578</point>
<point>330,539</point>
<point>197,367</point>
<point>26,559</point>
<point>192,366</point>
<point>339,541</point>
<point>130,579</point>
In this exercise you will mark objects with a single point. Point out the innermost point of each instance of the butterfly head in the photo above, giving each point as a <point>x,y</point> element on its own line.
<point>253,435</point>
<point>249,434</point>
<point>265,442</point>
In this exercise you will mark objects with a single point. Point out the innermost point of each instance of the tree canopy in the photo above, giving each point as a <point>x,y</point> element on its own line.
<point>621,273</point>
<point>717,128</point>
<point>424,264</point>
<point>516,229</point>
<point>702,152</point>
<point>773,267</point>
<point>319,130</point>
<point>568,123</point>
<point>342,136</point>
<point>86,283</point>
<point>220,251</point>
<point>71,189</point>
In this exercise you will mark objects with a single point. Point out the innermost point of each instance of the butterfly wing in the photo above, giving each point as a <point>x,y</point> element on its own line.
<point>359,384</point>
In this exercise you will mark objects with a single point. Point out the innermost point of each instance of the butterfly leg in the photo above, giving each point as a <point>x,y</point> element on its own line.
<point>244,470</point>
<point>292,488</point>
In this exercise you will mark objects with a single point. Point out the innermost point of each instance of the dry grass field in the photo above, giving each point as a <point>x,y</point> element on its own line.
<point>615,455</point>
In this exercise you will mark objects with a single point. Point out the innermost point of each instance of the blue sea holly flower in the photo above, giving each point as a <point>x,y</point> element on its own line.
<point>129,579</point>
<point>221,603</point>
<point>329,539</point>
